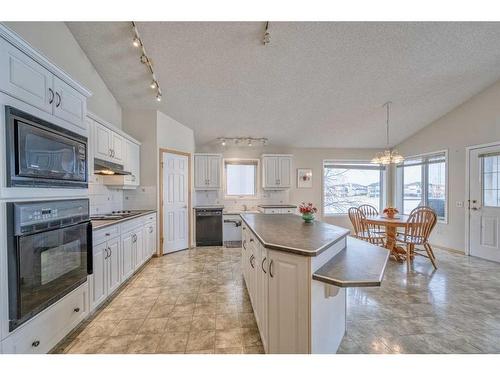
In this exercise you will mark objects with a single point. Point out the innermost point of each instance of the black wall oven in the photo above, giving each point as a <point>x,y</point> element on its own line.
<point>49,254</point>
<point>41,154</point>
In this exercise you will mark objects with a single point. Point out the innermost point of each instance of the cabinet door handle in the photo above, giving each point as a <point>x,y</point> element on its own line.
<point>251,261</point>
<point>58,97</point>
<point>51,98</point>
<point>251,239</point>
<point>110,153</point>
<point>262,265</point>
<point>35,343</point>
<point>271,268</point>
<point>76,309</point>
<point>243,244</point>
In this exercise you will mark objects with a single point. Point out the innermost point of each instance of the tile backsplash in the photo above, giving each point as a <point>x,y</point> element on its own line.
<point>104,199</point>
<point>263,197</point>
<point>142,198</point>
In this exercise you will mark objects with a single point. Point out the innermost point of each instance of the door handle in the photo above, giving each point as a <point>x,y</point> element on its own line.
<point>58,97</point>
<point>271,268</point>
<point>76,309</point>
<point>262,265</point>
<point>51,99</point>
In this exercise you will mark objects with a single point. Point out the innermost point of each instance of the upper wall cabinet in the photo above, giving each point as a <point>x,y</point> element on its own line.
<point>276,172</point>
<point>108,145</point>
<point>207,171</point>
<point>28,76</point>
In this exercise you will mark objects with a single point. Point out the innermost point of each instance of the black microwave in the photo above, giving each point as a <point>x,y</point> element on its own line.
<point>41,154</point>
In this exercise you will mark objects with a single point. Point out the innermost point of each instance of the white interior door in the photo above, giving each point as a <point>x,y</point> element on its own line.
<point>484,211</point>
<point>175,202</point>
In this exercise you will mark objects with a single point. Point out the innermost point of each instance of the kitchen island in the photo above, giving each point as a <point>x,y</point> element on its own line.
<point>296,274</point>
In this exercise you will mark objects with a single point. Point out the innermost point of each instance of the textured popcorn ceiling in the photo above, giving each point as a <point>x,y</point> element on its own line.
<point>316,84</point>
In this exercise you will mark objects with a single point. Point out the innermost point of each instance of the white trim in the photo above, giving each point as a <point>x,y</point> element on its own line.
<point>257,181</point>
<point>468,150</point>
<point>18,42</point>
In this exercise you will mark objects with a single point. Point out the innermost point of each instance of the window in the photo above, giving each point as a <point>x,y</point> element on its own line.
<point>491,180</point>
<point>422,182</point>
<point>241,178</point>
<point>351,184</point>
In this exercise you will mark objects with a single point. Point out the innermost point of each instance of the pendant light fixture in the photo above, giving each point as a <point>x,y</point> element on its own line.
<point>388,156</point>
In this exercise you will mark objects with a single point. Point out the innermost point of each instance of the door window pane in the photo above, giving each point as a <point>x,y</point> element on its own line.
<point>240,179</point>
<point>412,188</point>
<point>491,188</point>
<point>349,187</point>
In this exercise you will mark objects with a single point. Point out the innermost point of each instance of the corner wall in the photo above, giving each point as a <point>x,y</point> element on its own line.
<point>477,121</point>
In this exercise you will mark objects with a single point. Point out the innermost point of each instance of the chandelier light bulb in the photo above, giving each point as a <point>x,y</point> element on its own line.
<point>153,84</point>
<point>136,42</point>
<point>223,142</point>
<point>158,97</point>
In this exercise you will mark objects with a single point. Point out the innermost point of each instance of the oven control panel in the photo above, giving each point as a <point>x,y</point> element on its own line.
<point>31,216</point>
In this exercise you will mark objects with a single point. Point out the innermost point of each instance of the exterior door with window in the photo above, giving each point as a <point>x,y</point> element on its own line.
<point>484,202</point>
<point>175,202</point>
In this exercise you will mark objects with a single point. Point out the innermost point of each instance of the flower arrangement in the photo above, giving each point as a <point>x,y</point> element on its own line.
<point>307,210</point>
<point>390,212</point>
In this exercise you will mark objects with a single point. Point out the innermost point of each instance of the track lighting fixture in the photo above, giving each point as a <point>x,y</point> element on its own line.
<point>249,141</point>
<point>145,59</point>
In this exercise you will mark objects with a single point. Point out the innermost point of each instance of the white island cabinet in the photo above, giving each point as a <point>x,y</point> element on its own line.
<point>296,275</point>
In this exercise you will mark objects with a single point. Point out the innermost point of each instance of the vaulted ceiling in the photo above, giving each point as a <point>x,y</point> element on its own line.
<point>316,84</point>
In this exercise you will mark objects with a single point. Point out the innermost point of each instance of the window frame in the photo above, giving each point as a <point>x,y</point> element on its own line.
<point>241,161</point>
<point>384,183</point>
<point>399,179</point>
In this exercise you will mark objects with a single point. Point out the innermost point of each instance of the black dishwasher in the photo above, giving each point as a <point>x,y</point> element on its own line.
<point>208,226</point>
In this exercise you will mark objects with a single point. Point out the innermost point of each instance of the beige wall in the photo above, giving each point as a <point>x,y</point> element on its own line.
<point>476,121</point>
<point>55,41</point>
<point>302,158</point>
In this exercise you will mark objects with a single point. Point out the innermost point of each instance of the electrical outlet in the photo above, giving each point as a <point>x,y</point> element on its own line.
<point>459,204</point>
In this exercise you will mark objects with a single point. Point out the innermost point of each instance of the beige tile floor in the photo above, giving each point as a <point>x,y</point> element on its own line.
<point>195,302</point>
<point>192,301</point>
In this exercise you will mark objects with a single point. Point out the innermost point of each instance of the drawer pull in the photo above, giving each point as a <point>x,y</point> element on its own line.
<point>107,234</point>
<point>251,239</point>
<point>76,309</point>
<point>35,343</point>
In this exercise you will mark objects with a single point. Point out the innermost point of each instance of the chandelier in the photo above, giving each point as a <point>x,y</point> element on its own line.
<point>388,156</point>
<point>238,141</point>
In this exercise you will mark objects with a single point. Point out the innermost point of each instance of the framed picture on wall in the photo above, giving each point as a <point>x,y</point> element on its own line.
<point>304,178</point>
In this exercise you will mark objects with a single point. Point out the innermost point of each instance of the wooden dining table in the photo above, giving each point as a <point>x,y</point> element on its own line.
<point>391,228</point>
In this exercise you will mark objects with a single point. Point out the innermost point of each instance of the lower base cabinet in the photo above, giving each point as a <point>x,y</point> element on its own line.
<point>106,277</point>
<point>277,284</point>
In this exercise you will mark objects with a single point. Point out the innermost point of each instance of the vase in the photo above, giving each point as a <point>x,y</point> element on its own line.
<point>390,215</point>
<point>308,218</point>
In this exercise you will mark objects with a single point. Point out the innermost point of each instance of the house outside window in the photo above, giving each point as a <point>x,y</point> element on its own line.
<point>422,181</point>
<point>351,184</point>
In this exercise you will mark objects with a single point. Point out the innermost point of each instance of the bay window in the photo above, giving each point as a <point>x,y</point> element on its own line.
<point>422,181</point>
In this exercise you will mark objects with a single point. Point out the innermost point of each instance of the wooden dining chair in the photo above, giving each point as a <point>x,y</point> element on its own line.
<point>361,229</point>
<point>369,210</point>
<point>420,224</point>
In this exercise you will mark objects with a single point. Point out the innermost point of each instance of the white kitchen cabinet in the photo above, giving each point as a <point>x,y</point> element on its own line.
<point>69,104</point>
<point>207,171</point>
<point>98,285</point>
<point>113,265</point>
<point>289,277</point>
<point>277,210</point>
<point>127,262</point>
<point>276,172</point>
<point>117,148</point>
<point>139,248</point>
<point>132,163</point>
<point>25,79</point>
<point>106,276</point>
<point>262,293</point>
<point>101,142</point>
<point>149,240</point>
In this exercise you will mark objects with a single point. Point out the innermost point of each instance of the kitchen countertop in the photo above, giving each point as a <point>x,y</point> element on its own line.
<point>360,264</point>
<point>290,233</point>
<point>277,206</point>
<point>99,224</point>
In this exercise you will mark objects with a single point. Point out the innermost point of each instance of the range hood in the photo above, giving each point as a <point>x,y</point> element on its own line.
<point>107,168</point>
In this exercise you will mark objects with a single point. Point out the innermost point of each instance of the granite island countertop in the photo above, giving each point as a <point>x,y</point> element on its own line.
<point>288,232</point>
